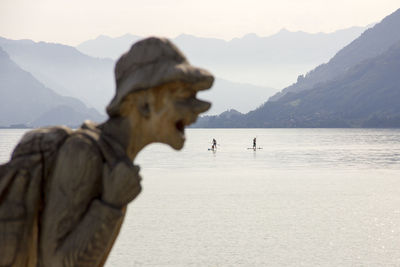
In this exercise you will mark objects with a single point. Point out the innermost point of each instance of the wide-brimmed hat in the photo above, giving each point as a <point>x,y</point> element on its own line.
<point>152,62</point>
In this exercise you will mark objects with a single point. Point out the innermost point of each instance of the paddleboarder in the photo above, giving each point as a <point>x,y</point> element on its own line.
<point>214,144</point>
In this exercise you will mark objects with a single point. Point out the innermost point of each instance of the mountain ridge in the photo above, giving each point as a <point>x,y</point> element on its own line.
<point>24,100</point>
<point>65,69</point>
<point>371,43</point>
<point>272,61</point>
<point>367,95</point>
<point>92,80</point>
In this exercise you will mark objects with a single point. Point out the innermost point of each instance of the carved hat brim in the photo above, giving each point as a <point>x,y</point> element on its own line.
<point>153,62</point>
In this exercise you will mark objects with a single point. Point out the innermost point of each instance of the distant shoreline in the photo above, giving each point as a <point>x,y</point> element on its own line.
<point>16,127</point>
<point>24,127</point>
<point>209,128</point>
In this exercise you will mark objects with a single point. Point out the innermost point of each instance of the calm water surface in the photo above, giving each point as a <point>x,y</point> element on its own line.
<point>310,197</point>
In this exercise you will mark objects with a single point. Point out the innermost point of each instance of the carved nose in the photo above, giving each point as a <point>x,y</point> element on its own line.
<point>194,105</point>
<point>200,106</point>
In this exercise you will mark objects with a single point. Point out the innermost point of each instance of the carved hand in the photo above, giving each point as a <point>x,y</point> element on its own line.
<point>121,184</point>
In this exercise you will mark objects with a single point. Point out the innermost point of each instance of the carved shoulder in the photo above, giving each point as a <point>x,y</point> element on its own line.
<point>80,145</point>
<point>78,169</point>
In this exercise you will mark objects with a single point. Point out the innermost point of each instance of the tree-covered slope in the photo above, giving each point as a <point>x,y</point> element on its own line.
<point>367,95</point>
<point>371,43</point>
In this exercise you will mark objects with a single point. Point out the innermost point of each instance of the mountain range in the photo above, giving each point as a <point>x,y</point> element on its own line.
<point>358,87</point>
<point>65,70</point>
<point>69,72</point>
<point>243,97</point>
<point>371,43</point>
<point>273,61</point>
<point>26,101</point>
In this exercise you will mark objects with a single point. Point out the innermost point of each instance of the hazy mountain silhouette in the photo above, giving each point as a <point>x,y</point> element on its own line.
<point>243,97</point>
<point>74,74</point>
<point>66,70</point>
<point>371,43</point>
<point>273,61</point>
<point>24,100</point>
<point>107,47</point>
<point>367,95</point>
<point>226,119</point>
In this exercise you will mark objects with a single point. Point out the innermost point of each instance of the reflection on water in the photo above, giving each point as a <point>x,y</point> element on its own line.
<point>310,197</point>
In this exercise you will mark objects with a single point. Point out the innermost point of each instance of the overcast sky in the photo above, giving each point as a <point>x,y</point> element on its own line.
<point>73,21</point>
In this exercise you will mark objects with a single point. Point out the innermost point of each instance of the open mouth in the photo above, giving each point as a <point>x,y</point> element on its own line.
<point>180,126</point>
<point>182,123</point>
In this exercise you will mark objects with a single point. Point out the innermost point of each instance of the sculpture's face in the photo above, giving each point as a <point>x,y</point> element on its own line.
<point>172,107</point>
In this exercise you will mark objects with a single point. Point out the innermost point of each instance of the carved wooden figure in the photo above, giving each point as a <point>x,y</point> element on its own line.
<point>64,193</point>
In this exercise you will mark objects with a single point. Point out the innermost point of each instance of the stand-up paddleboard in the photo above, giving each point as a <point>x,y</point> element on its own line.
<point>254,148</point>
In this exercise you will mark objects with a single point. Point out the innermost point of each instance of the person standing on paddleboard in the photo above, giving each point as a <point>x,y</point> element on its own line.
<point>254,143</point>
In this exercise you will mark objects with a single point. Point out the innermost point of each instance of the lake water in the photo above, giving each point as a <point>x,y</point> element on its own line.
<point>310,197</point>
